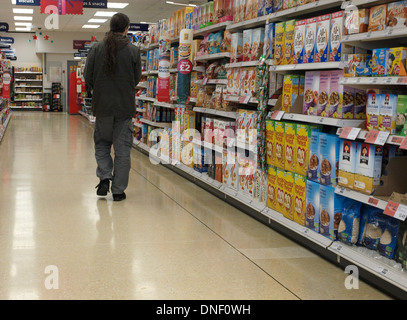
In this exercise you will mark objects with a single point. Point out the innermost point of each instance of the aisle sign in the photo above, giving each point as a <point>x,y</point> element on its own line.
<point>349,133</point>
<point>3,27</point>
<point>98,4</point>
<point>396,210</point>
<point>28,2</point>
<point>7,40</point>
<point>138,27</point>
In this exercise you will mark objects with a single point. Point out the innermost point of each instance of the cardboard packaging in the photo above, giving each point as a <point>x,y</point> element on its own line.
<point>401,124</point>
<point>290,146</point>
<point>396,14</point>
<point>279,138</point>
<point>279,44</point>
<point>312,206</point>
<point>300,194</point>
<point>397,61</point>
<point>329,159</point>
<point>257,44</point>
<point>270,149</point>
<point>289,42</point>
<point>310,40</point>
<point>299,39</point>
<point>272,188</point>
<point>289,195</point>
<point>322,38</point>
<point>323,92</point>
<point>314,157</point>
<point>330,211</point>
<point>247,44</point>
<point>388,113</point>
<point>335,38</point>
<point>280,182</point>
<point>380,59</point>
<point>302,146</point>
<point>311,89</point>
<point>377,18</point>
<point>373,111</point>
<point>290,91</point>
<point>347,163</point>
<point>268,49</point>
<point>356,21</point>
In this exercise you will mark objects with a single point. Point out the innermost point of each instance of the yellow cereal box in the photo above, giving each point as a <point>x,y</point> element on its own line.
<point>302,144</point>
<point>289,42</point>
<point>290,146</point>
<point>270,149</point>
<point>291,85</point>
<point>279,186</point>
<point>300,191</point>
<point>279,47</point>
<point>271,188</point>
<point>289,195</point>
<point>279,138</point>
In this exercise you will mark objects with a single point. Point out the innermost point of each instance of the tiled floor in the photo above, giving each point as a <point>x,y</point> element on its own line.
<point>168,240</point>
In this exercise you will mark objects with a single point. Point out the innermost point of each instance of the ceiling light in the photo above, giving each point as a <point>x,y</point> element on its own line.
<point>180,4</point>
<point>116,5</point>
<point>13,1</point>
<point>148,22</point>
<point>27,11</point>
<point>23,24</point>
<point>105,13</point>
<point>23,18</point>
<point>90,26</point>
<point>97,20</point>
<point>23,29</point>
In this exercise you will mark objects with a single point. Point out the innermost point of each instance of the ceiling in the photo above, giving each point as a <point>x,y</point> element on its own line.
<point>137,11</point>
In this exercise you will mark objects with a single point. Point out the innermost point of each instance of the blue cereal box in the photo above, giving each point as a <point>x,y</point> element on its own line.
<point>312,206</point>
<point>329,145</point>
<point>313,162</point>
<point>330,211</point>
<point>380,58</point>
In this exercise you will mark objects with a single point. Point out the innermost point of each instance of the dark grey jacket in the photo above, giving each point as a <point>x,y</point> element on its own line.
<point>113,96</point>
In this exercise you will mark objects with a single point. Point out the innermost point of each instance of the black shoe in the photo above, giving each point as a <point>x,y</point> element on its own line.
<point>119,197</point>
<point>103,187</point>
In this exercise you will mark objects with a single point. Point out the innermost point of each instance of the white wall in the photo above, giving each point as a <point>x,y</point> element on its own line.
<point>25,50</point>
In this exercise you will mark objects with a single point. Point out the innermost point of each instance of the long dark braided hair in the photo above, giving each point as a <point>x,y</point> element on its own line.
<point>118,24</point>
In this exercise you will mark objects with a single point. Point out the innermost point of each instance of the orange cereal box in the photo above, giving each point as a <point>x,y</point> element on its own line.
<point>272,188</point>
<point>289,195</point>
<point>302,145</point>
<point>279,186</point>
<point>279,138</point>
<point>270,149</point>
<point>300,192</point>
<point>290,146</point>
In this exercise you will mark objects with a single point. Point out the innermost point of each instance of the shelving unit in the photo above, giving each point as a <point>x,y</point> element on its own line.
<point>23,97</point>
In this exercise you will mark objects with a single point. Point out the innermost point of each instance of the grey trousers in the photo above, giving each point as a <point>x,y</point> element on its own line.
<point>119,133</point>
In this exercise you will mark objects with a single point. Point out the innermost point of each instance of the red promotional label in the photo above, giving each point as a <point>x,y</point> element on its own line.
<point>64,6</point>
<point>184,66</point>
<point>6,85</point>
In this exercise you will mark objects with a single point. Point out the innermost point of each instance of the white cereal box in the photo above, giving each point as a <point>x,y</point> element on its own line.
<point>322,38</point>
<point>299,39</point>
<point>310,40</point>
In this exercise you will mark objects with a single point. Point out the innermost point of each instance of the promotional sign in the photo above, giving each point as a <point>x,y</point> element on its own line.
<point>4,27</point>
<point>138,27</point>
<point>184,66</point>
<point>6,84</point>
<point>64,6</point>
<point>163,84</point>
<point>98,4</point>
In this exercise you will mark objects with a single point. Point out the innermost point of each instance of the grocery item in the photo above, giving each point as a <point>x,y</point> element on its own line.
<point>314,156</point>
<point>257,44</point>
<point>397,61</point>
<point>299,39</point>
<point>280,182</point>
<point>335,37</point>
<point>388,113</point>
<point>374,227</point>
<point>268,49</point>
<point>302,144</point>
<point>323,93</point>
<point>360,104</point>
<point>347,163</point>
<point>270,142</point>
<point>377,18</point>
<point>401,124</point>
<point>272,188</point>
<point>247,44</point>
<point>373,111</point>
<point>401,251</point>
<point>289,195</point>
<point>311,89</point>
<point>388,240</point>
<point>322,38</point>
<point>356,21</point>
<point>290,146</point>
<point>396,14</point>
<point>279,138</point>
<point>312,206</point>
<point>310,40</point>
<point>348,229</point>
<point>289,41</point>
<point>329,158</point>
<point>279,43</point>
<point>330,211</point>
<point>236,54</point>
<point>290,91</point>
<point>300,193</point>
<point>380,59</point>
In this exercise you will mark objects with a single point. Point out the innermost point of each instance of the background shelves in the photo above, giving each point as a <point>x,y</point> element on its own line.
<point>212,28</point>
<point>226,114</point>
<point>213,56</point>
<point>157,124</point>
<point>307,66</point>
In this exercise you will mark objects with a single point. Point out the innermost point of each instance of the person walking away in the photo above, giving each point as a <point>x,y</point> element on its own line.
<point>112,71</point>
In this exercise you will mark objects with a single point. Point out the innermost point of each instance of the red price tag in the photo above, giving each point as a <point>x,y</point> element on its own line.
<point>372,136</point>
<point>396,140</point>
<point>377,137</point>
<point>184,66</point>
<point>403,144</point>
<point>373,201</point>
<point>277,115</point>
<point>349,133</point>
<point>396,210</point>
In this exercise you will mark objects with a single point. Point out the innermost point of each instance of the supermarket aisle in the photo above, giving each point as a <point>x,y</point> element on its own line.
<point>168,240</point>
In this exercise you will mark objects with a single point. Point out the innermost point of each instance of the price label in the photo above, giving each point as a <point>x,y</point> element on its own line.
<point>396,140</point>
<point>277,115</point>
<point>383,271</point>
<point>396,210</point>
<point>373,201</point>
<point>349,133</point>
<point>377,137</point>
<point>204,81</point>
<point>403,144</point>
<point>244,99</point>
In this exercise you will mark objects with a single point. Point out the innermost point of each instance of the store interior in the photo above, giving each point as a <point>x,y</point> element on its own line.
<point>290,114</point>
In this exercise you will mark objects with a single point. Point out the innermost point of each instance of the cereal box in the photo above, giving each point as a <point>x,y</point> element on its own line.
<point>377,18</point>
<point>380,58</point>
<point>314,156</point>
<point>360,104</point>
<point>290,91</point>
<point>302,144</point>
<point>396,14</point>
<point>236,54</point>
<point>236,81</point>
<point>299,38</point>
<point>278,5</point>
<point>335,37</point>
<point>323,94</point>
<point>373,111</point>
<point>279,47</point>
<point>270,142</point>
<point>247,44</point>
<point>322,38</point>
<point>397,61</point>
<point>368,167</point>
<point>290,146</point>
<point>356,21</point>
<point>341,98</point>
<point>347,163</point>
<point>312,206</point>
<point>300,193</point>
<point>289,195</point>
<point>268,49</point>
<point>279,138</point>
<point>388,113</point>
<point>401,124</point>
<point>233,172</point>
<point>330,211</point>
<point>257,44</point>
<point>311,89</point>
<point>272,188</point>
<point>329,158</point>
<point>280,180</point>
<point>310,40</point>
<point>289,42</point>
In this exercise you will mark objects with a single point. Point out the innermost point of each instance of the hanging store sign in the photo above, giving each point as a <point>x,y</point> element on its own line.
<point>80,54</point>
<point>138,27</point>
<point>4,27</point>
<point>28,2</point>
<point>64,6</point>
<point>80,44</point>
<point>6,40</point>
<point>98,4</point>
<point>8,51</point>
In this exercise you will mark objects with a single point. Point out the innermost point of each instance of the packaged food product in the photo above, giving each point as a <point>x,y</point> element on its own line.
<point>226,42</point>
<point>279,138</point>
<point>289,41</point>
<point>373,111</point>
<point>377,18</point>
<point>279,47</point>
<point>300,193</point>
<point>278,5</point>
<point>257,43</point>
<point>272,188</point>
<point>280,181</point>
<point>215,41</point>
<point>270,142</point>
<point>234,172</point>
<point>335,37</point>
<point>348,229</point>
<point>388,113</point>
<point>289,195</point>
<point>322,38</point>
<point>347,163</point>
<point>311,89</point>
<point>268,48</point>
<point>401,124</point>
<point>329,159</point>
<point>324,93</point>
<point>247,44</point>
<point>290,91</point>
<point>249,10</point>
<point>290,146</point>
<point>268,7</point>
<point>310,40</point>
<point>303,145</point>
<point>397,61</point>
<point>330,211</point>
<point>360,104</point>
<point>236,54</point>
<point>380,58</point>
<point>373,229</point>
<point>388,241</point>
<point>341,98</point>
<point>356,21</point>
<point>396,14</point>
<point>401,251</point>
<point>299,38</point>
<point>312,206</point>
<point>368,167</point>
